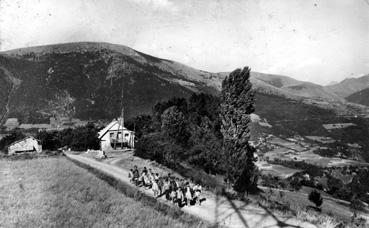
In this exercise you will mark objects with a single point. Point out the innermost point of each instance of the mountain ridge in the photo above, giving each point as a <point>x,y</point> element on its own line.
<point>85,79</point>
<point>349,86</point>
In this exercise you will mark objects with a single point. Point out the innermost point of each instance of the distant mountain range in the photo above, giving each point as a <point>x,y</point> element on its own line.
<point>349,86</point>
<point>292,88</point>
<point>84,80</point>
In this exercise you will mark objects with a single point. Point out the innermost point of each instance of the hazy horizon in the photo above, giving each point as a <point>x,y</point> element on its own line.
<point>317,41</point>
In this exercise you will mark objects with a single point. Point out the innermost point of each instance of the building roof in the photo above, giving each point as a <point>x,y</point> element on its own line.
<point>23,140</point>
<point>115,125</point>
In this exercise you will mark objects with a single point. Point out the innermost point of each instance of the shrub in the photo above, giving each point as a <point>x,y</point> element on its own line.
<point>295,184</point>
<point>356,205</point>
<point>85,138</point>
<point>81,138</point>
<point>316,198</point>
<point>156,147</point>
<point>9,139</point>
<point>49,140</point>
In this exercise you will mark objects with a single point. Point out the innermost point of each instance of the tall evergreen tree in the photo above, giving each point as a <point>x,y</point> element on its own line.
<point>237,103</point>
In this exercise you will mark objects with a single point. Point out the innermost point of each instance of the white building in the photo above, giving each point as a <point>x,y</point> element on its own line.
<point>116,137</point>
<point>27,144</point>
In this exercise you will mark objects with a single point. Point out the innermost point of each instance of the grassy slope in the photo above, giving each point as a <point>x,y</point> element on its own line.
<point>55,192</point>
<point>360,97</point>
<point>298,200</point>
<point>290,117</point>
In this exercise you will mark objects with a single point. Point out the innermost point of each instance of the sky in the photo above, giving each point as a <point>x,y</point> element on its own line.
<point>311,40</point>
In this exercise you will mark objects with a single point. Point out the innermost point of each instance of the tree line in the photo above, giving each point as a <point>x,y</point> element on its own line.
<point>78,139</point>
<point>205,131</point>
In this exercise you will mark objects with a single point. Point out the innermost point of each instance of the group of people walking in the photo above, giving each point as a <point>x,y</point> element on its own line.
<point>177,190</point>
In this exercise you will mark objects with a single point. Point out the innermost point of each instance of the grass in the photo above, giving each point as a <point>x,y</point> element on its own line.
<point>54,192</point>
<point>299,203</point>
<point>288,206</point>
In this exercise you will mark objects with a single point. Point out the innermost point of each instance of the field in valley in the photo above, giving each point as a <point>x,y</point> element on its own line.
<point>54,192</point>
<point>296,150</point>
<point>276,170</point>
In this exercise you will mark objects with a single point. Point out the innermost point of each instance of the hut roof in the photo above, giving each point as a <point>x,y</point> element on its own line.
<point>27,137</point>
<point>115,125</point>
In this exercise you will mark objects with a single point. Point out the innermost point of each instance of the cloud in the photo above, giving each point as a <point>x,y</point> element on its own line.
<point>158,4</point>
<point>293,65</point>
<point>310,62</point>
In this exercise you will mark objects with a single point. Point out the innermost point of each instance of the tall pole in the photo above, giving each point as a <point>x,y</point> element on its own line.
<point>120,122</point>
<point>122,114</point>
<point>116,137</point>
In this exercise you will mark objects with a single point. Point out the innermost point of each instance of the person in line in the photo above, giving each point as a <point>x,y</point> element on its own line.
<point>155,188</point>
<point>156,176</point>
<point>150,175</point>
<point>142,180</point>
<point>130,175</point>
<point>178,182</point>
<point>169,177</point>
<point>197,189</point>
<point>192,183</point>
<point>146,179</point>
<point>166,188</point>
<point>173,195</point>
<point>136,175</point>
<point>160,182</point>
<point>173,185</point>
<point>180,197</point>
<point>188,194</point>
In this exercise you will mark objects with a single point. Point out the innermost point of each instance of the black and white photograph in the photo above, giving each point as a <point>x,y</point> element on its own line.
<point>184,113</point>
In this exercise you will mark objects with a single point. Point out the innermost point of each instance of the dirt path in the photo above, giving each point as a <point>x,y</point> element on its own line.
<point>216,209</point>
